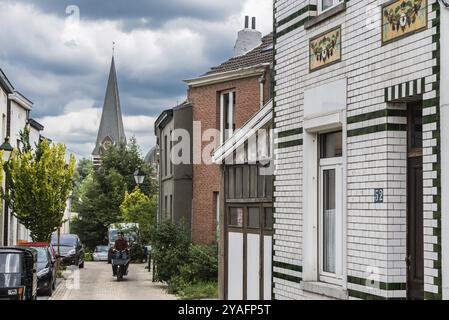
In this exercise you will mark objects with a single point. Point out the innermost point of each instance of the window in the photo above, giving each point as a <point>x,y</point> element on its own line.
<point>330,207</point>
<point>235,217</point>
<point>268,221</point>
<point>171,206</point>
<point>217,207</point>
<point>331,145</point>
<point>171,148</point>
<point>254,218</point>
<point>415,124</point>
<point>324,5</point>
<point>166,206</point>
<point>165,156</point>
<point>227,112</point>
<point>3,127</point>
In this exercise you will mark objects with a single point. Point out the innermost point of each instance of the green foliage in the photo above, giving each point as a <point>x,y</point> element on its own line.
<point>202,264</point>
<point>39,184</point>
<point>102,192</point>
<point>88,255</point>
<point>139,208</point>
<point>199,290</point>
<point>170,247</point>
<point>136,253</point>
<point>190,270</point>
<point>60,269</point>
<point>83,171</point>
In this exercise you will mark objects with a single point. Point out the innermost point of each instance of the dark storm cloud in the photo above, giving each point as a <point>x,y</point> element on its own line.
<point>142,13</point>
<point>63,67</point>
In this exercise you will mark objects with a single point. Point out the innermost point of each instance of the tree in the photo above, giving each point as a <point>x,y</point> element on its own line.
<point>139,208</point>
<point>100,197</point>
<point>83,173</point>
<point>38,186</point>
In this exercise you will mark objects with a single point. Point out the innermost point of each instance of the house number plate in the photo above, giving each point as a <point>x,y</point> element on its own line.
<point>378,195</point>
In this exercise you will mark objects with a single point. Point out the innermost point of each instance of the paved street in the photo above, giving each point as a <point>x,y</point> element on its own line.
<point>95,282</point>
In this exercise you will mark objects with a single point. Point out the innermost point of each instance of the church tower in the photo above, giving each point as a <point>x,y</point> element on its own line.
<point>111,129</point>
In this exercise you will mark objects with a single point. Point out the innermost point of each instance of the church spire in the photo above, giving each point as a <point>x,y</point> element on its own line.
<point>111,126</point>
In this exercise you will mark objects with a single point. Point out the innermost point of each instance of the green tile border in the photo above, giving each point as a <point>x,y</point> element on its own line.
<point>300,12</point>
<point>377,128</point>
<point>376,115</point>
<point>289,133</point>
<point>435,102</point>
<point>287,266</point>
<point>368,296</point>
<point>289,144</point>
<point>292,27</point>
<point>378,284</point>
<point>287,277</point>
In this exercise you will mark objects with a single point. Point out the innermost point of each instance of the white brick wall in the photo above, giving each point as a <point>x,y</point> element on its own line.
<point>376,233</point>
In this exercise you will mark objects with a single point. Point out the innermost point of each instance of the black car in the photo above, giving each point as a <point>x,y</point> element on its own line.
<point>69,249</point>
<point>46,272</point>
<point>18,278</point>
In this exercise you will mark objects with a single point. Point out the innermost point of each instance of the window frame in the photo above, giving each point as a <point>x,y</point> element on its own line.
<point>320,6</point>
<point>335,163</point>
<point>226,133</point>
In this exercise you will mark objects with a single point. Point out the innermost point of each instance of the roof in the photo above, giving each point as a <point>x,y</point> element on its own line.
<point>161,120</point>
<point>36,125</point>
<point>111,124</point>
<point>18,249</point>
<point>4,82</point>
<point>261,55</point>
<point>41,137</point>
<point>183,105</point>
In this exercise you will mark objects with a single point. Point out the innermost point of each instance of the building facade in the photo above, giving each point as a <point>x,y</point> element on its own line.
<point>173,130</point>
<point>223,100</point>
<point>246,210</point>
<point>360,167</point>
<point>15,110</point>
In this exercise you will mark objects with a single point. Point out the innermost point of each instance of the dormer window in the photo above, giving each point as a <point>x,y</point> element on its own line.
<point>325,5</point>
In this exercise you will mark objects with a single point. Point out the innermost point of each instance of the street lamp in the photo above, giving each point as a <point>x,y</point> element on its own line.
<point>139,176</point>
<point>7,150</point>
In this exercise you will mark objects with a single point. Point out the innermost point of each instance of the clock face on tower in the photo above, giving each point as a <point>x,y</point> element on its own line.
<point>107,143</point>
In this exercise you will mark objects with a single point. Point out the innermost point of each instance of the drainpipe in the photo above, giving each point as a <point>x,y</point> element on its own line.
<point>261,90</point>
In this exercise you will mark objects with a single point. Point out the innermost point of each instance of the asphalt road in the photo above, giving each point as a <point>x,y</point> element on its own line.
<point>95,282</point>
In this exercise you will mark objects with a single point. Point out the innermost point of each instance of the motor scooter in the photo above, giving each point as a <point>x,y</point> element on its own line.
<point>120,263</point>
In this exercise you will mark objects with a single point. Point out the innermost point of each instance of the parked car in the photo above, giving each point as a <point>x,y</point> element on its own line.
<point>70,249</point>
<point>46,267</point>
<point>100,253</point>
<point>18,278</point>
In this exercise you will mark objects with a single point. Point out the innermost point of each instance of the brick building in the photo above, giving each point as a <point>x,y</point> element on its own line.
<point>224,99</point>
<point>361,170</point>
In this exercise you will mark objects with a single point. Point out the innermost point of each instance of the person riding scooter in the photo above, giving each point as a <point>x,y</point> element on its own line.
<point>121,251</point>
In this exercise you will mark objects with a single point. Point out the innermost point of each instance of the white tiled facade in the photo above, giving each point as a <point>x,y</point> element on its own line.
<point>375,234</point>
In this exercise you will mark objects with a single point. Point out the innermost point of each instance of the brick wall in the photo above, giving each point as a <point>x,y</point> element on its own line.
<point>206,178</point>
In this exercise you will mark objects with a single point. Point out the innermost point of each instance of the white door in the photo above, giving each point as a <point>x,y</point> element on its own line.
<point>330,220</point>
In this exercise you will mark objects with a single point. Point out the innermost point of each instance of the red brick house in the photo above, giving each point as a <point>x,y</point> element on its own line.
<point>224,99</point>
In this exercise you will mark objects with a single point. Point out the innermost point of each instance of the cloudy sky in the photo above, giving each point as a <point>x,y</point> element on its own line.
<point>58,52</point>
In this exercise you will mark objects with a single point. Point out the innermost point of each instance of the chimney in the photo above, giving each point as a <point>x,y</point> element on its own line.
<point>247,39</point>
